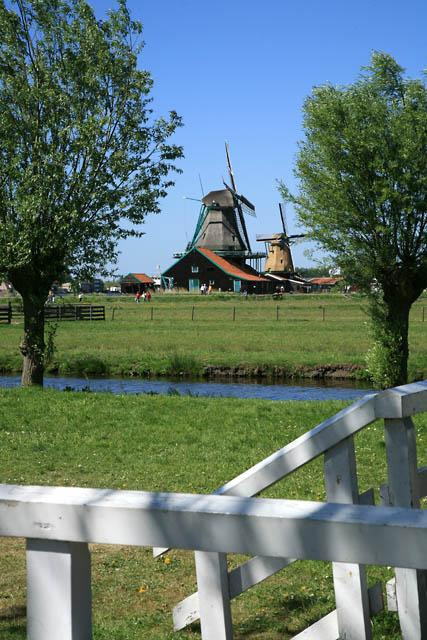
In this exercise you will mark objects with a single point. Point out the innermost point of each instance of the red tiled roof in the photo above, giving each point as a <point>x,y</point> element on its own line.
<point>324,280</point>
<point>228,267</point>
<point>141,277</point>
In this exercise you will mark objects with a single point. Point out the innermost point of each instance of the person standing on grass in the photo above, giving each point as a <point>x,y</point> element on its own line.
<point>148,296</point>
<point>137,297</point>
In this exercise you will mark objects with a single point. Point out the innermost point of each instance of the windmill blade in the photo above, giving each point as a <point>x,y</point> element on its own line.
<point>298,235</point>
<point>282,217</point>
<point>201,186</point>
<point>245,204</point>
<point>249,208</point>
<point>230,168</point>
<point>250,211</point>
<point>241,225</point>
<point>267,238</point>
<point>296,239</point>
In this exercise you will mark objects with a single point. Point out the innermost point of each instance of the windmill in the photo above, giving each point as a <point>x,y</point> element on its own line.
<point>221,224</point>
<point>278,248</point>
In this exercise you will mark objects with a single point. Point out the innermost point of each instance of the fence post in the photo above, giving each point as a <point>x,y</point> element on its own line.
<point>9,313</point>
<point>112,315</point>
<point>411,584</point>
<point>152,312</point>
<point>192,312</point>
<point>350,583</point>
<point>90,312</point>
<point>214,596</point>
<point>323,314</point>
<point>58,590</point>
<point>277,313</point>
<point>234,314</point>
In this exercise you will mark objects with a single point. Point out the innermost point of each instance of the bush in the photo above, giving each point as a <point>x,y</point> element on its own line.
<point>183,364</point>
<point>85,365</point>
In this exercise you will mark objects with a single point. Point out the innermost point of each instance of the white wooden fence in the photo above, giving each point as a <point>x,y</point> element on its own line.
<point>58,524</point>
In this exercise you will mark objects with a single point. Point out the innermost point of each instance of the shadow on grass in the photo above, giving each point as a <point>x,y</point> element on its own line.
<point>13,613</point>
<point>13,632</point>
<point>287,617</point>
<point>12,623</point>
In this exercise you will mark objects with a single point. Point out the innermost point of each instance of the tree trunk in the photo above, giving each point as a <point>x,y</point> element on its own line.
<point>33,345</point>
<point>391,326</point>
<point>397,322</point>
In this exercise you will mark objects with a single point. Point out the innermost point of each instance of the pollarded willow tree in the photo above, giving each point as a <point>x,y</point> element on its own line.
<point>362,172</point>
<point>82,160</point>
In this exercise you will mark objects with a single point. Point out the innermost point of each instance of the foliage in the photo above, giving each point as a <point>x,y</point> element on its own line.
<point>50,349</point>
<point>363,190</point>
<point>82,161</point>
<point>182,364</point>
<point>313,272</point>
<point>79,152</point>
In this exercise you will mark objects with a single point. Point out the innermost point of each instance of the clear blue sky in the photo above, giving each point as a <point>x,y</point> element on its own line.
<point>239,70</point>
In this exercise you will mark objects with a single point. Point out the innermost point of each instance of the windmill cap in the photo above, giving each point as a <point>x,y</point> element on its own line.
<point>222,199</point>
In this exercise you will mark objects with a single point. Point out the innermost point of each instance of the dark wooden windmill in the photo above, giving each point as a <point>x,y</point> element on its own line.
<point>278,248</point>
<point>221,225</point>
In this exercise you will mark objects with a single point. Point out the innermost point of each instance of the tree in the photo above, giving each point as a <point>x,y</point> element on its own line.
<point>82,161</point>
<point>362,176</point>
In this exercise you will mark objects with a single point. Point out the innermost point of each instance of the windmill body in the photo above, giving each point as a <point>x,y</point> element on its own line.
<point>219,230</point>
<point>221,225</point>
<point>279,264</point>
<point>279,256</point>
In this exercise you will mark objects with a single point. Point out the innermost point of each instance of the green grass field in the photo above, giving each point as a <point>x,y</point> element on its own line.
<point>171,444</point>
<point>296,333</point>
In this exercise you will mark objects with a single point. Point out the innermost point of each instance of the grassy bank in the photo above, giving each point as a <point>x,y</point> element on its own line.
<point>300,335</point>
<point>170,444</point>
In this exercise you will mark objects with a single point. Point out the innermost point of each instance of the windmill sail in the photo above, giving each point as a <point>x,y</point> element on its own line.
<point>279,255</point>
<point>221,225</point>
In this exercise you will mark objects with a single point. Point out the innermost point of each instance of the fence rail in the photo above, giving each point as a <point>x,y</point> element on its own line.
<point>58,312</point>
<point>75,312</point>
<point>59,522</point>
<point>6,313</point>
<point>333,438</point>
<point>242,312</point>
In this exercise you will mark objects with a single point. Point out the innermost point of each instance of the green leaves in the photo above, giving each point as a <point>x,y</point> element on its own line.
<point>81,156</point>
<point>363,193</point>
<point>362,171</point>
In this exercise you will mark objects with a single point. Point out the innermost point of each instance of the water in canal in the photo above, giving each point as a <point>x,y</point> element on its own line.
<point>261,390</point>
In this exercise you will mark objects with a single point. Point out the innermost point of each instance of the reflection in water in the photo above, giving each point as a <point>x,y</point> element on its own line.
<point>197,388</point>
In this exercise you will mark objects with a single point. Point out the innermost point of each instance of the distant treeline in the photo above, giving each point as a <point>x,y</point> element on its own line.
<point>312,272</point>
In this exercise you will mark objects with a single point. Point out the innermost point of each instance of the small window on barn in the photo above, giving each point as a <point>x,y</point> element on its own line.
<point>194,269</point>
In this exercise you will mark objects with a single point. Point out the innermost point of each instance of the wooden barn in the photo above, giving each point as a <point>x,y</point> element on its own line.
<point>202,266</point>
<point>134,282</point>
<point>324,284</point>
